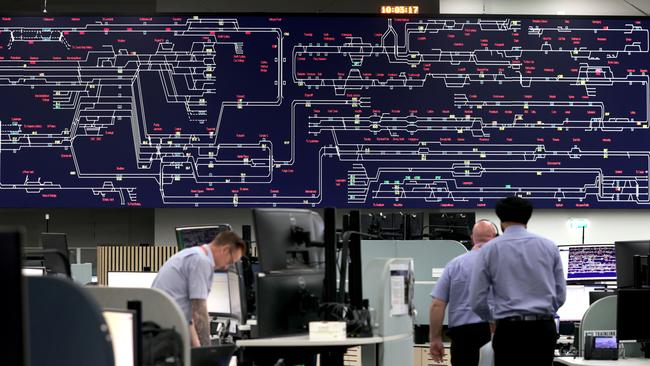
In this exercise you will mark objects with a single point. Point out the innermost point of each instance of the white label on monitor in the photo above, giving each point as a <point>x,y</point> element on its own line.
<point>436,272</point>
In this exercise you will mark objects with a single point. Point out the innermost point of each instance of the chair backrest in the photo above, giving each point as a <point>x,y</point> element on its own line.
<point>66,326</point>
<point>157,307</point>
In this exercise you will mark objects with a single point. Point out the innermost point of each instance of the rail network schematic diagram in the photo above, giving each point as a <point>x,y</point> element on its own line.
<point>312,111</point>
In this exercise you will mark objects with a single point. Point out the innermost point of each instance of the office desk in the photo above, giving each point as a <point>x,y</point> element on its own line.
<point>303,341</point>
<point>579,361</point>
<point>300,348</point>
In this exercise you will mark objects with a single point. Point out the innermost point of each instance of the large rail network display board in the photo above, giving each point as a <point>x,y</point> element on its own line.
<point>323,111</point>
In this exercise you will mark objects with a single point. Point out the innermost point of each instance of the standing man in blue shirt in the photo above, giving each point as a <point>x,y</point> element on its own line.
<point>187,278</point>
<point>523,272</point>
<point>468,332</point>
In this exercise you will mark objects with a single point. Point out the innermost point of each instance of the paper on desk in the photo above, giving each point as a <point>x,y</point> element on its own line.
<point>398,283</point>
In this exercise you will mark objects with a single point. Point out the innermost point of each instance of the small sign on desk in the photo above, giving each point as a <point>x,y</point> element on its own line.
<point>327,331</point>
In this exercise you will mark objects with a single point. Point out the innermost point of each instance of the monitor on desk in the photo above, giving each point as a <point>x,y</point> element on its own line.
<point>237,300</point>
<point>625,251</point>
<point>131,279</point>
<point>633,315</point>
<point>287,301</point>
<point>122,328</point>
<point>289,238</point>
<point>588,262</point>
<point>219,296</point>
<point>600,294</point>
<point>15,345</point>
<point>191,236</point>
<point>577,302</point>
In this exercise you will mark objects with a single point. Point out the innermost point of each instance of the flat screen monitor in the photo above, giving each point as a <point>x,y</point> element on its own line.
<point>287,301</point>
<point>131,279</point>
<point>33,271</point>
<point>122,328</point>
<point>577,302</point>
<point>14,346</point>
<point>219,297</point>
<point>600,294</point>
<point>58,242</point>
<point>235,295</point>
<point>588,262</point>
<point>625,251</point>
<point>286,238</point>
<point>191,236</point>
<point>632,315</point>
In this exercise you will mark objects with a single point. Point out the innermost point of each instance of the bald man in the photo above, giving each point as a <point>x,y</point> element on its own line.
<point>468,332</point>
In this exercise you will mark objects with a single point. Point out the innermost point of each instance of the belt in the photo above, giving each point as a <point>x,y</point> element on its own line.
<point>526,318</point>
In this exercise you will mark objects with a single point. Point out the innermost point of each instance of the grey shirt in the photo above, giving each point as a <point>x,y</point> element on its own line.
<point>524,273</point>
<point>453,289</point>
<point>187,276</point>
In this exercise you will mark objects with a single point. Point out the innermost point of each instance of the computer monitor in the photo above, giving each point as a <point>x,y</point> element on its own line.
<point>588,262</point>
<point>632,315</point>
<point>34,271</point>
<point>219,296</point>
<point>58,242</point>
<point>15,345</point>
<point>191,236</point>
<point>122,328</point>
<point>625,251</point>
<point>131,279</point>
<point>600,294</point>
<point>576,304</point>
<point>287,301</point>
<point>288,238</point>
<point>237,292</point>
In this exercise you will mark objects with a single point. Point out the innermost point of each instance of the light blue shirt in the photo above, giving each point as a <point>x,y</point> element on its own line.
<point>187,276</point>
<point>453,288</point>
<point>523,271</point>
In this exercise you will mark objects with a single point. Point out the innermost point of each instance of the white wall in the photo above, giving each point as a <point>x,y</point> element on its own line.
<point>605,226</point>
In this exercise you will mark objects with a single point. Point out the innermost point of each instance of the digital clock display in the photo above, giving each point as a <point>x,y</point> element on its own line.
<point>400,9</point>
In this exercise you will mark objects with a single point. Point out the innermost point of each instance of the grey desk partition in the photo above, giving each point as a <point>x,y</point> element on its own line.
<point>428,255</point>
<point>66,326</point>
<point>157,306</point>
<point>601,315</point>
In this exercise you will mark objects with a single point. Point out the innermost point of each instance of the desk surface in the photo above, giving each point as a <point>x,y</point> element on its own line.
<point>303,341</point>
<point>579,361</point>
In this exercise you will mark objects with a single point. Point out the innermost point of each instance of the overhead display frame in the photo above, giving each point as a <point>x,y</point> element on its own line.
<point>323,110</point>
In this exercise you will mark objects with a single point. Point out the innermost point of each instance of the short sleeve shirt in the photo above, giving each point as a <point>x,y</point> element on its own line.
<point>187,276</point>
